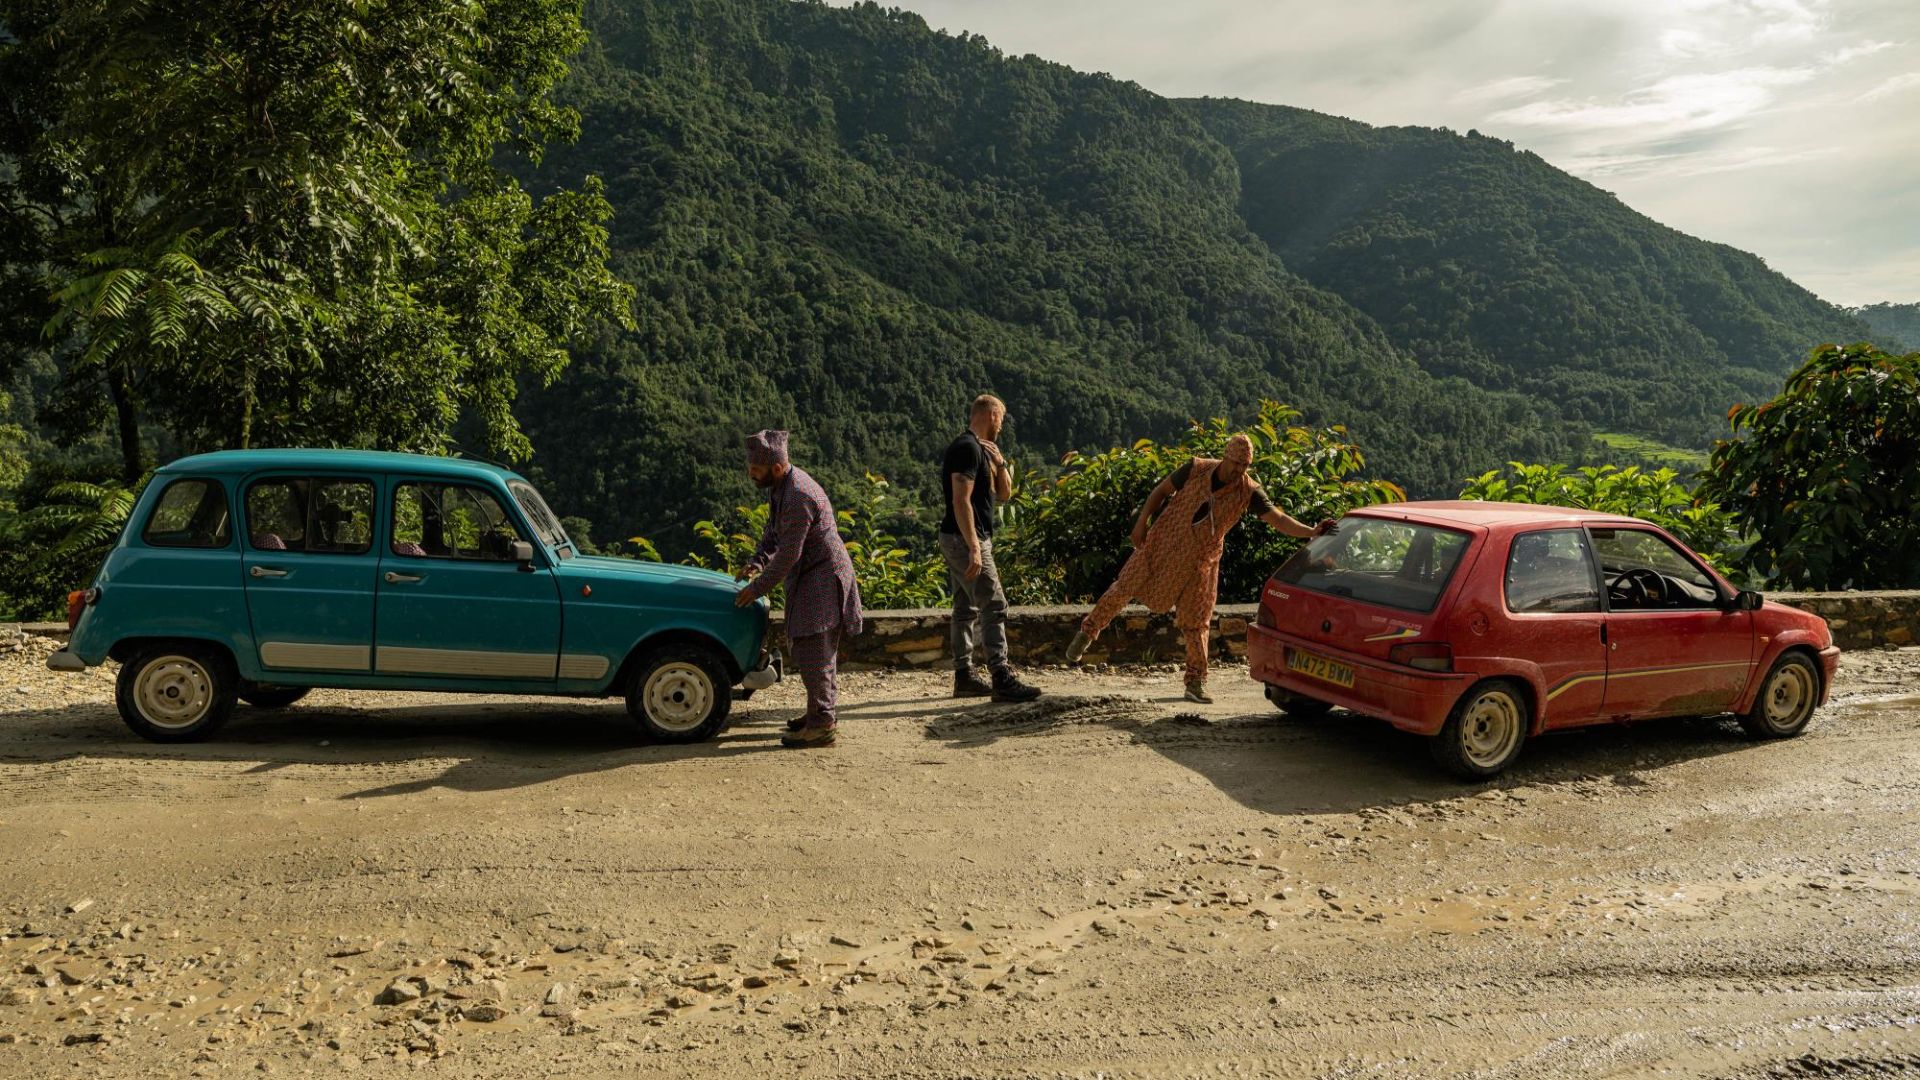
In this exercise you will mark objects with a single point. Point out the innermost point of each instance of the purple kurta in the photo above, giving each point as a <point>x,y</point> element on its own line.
<point>802,546</point>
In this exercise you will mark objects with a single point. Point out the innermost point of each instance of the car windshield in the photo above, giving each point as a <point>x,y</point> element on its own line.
<point>545,525</point>
<point>1396,564</point>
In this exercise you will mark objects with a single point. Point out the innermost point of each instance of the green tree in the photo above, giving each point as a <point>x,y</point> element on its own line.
<point>1826,475</point>
<point>1073,534</point>
<point>61,531</point>
<point>1656,496</point>
<point>890,575</point>
<point>285,221</point>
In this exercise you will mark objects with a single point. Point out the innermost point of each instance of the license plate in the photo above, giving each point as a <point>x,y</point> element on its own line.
<point>1315,666</point>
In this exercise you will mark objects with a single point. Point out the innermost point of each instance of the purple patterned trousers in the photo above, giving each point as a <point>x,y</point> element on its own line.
<point>818,658</point>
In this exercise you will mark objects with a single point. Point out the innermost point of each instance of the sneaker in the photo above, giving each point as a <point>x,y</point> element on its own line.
<point>967,684</point>
<point>810,736</point>
<point>797,722</point>
<point>1077,648</point>
<point>1007,687</point>
<point>1197,693</point>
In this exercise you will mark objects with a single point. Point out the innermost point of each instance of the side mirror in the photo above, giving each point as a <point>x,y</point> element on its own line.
<point>523,554</point>
<point>1747,600</point>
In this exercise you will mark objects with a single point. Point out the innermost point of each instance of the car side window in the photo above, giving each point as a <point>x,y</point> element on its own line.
<point>1551,571</point>
<point>1644,571</point>
<point>451,521</point>
<point>190,514</point>
<point>298,514</point>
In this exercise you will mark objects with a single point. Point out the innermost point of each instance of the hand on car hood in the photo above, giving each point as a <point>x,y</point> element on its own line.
<point>601,566</point>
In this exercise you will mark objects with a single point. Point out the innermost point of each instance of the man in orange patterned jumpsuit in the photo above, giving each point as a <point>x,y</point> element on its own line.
<point>1177,543</point>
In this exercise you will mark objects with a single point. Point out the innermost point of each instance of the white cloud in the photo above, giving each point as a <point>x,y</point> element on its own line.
<point>1679,103</point>
<point>1506,89</point>
<point>1861,51</point>
<point>1895,85</point>
<point>1681,166</point>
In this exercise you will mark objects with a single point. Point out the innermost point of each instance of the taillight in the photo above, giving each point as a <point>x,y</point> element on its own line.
<point>78,602</point>
<point>1265,618</point>
<point>1425,655</point>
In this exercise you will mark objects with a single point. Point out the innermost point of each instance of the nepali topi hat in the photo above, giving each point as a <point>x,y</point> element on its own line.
<point>767,448</point>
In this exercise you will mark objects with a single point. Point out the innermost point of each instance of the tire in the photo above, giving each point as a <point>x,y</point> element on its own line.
<point>1786,699</point>
<point>680,694</point>
<point>273,697</point>
<point>1297,706</point>
<point>177,691</point>
<point>1485,731</point>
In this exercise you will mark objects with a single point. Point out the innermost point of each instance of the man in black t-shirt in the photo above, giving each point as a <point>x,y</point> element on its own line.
<point>973,476</point>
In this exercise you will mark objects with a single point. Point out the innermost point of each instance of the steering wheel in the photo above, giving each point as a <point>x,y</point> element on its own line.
<point>1640,587</point>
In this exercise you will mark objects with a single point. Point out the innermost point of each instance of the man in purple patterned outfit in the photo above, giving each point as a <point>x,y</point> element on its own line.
<point>801,546</point>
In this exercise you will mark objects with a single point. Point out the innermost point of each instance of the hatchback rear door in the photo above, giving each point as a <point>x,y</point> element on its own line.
<point>1372,584</point>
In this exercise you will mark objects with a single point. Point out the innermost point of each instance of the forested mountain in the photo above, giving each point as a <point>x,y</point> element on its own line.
<point>842,222</point>
<point>1487,262</point>
<point>1896,327</point>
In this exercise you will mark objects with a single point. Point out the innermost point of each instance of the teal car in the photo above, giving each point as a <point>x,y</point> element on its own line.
<point>257,575</point>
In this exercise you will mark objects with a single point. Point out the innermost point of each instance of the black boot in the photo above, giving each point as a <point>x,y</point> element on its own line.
<point>1008,687</point>
<point>967,684</point>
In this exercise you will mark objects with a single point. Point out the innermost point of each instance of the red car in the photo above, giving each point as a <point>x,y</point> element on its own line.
<point>1483,624</point>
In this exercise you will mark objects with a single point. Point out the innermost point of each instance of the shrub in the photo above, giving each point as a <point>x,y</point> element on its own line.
<point>1825,475</point>
<point>1657,496</point>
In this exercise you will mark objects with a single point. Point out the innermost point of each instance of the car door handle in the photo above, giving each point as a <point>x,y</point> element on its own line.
<point>393,578</point>
<point>267,571</point>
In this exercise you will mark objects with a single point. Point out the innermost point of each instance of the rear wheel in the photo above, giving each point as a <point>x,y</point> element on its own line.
<point>176,691</point>
<point>1485,732</point>
<point>273,697</point>
<point>1786,700</point>
<point>680,694</point>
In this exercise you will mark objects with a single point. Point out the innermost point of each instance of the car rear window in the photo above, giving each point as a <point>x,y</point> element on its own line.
<point>1395,564</point>
<point>189,514</point>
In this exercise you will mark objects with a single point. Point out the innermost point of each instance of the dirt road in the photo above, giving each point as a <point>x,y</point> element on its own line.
<point>1104,883</point>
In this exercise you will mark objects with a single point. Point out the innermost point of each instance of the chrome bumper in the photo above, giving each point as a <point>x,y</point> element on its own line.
<point>65,660</point>
<point>764,677</point>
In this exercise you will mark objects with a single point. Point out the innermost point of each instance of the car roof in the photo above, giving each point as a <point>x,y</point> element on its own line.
<point>229,462</point>
<point>1492,515</point>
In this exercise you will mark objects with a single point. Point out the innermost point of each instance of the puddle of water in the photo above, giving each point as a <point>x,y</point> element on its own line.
<point>1901,703</point>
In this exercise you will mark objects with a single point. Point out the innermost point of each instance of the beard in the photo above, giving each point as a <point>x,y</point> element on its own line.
<point>762,481</point>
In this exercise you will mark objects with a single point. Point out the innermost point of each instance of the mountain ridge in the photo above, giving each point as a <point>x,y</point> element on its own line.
<point>846,223</point>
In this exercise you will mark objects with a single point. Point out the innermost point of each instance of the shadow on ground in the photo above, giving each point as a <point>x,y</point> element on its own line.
<point>496,745</point>
<point>1341,762</point>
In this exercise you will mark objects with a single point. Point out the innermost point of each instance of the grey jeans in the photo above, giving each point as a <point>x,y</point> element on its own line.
<point>980,601</point>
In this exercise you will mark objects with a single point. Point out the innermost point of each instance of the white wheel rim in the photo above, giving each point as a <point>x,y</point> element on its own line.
<point>1490,729</point>
<point>173,692</point>
<point>679,696</point>
<point>1788,695</point>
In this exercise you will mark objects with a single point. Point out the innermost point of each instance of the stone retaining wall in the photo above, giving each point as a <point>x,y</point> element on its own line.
<point>1039,635</point>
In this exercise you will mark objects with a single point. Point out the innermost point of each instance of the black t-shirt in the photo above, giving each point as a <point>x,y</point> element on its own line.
<point>965,456</point>
<point>1259,504</point>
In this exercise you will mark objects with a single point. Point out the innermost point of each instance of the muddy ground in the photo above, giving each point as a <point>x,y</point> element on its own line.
<point>1104,883</point>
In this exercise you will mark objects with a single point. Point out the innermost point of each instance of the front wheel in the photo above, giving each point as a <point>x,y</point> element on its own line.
<point>680,694</point>
<point>176,692</point>
<point>1786,700</point>
<point>1485,731</point>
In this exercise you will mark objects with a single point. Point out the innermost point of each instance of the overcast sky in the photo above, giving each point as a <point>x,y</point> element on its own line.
<point>1789,128</point>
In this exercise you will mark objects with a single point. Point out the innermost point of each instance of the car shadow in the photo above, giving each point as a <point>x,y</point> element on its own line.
<point>1341,762</point>
<point>495,745</point>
